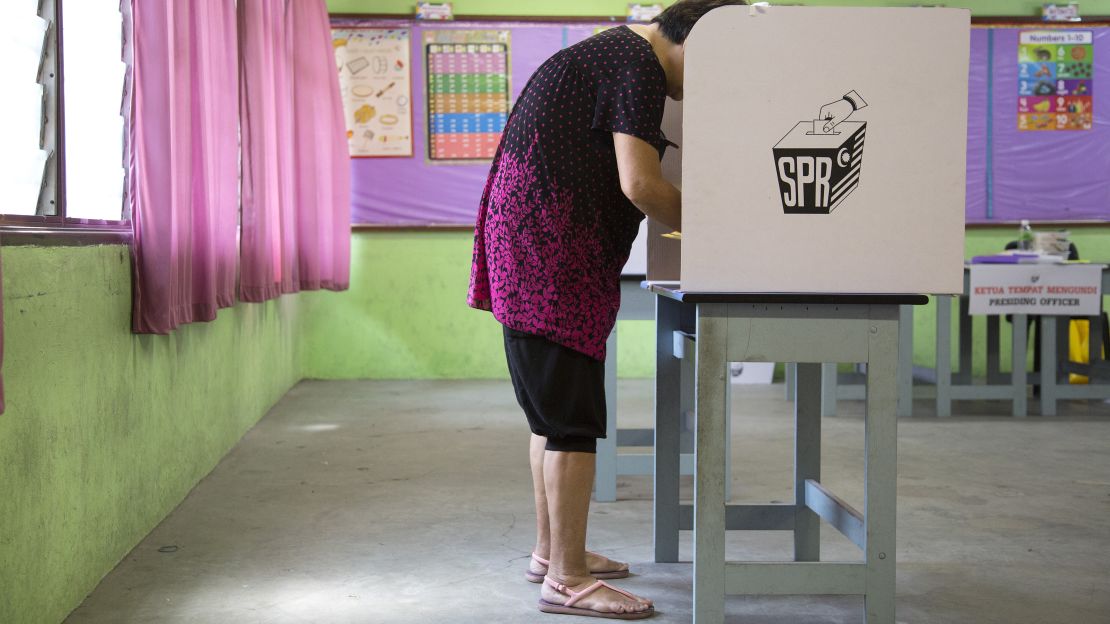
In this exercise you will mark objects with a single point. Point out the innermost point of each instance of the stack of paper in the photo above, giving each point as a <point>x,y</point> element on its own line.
<point>1019,257</point>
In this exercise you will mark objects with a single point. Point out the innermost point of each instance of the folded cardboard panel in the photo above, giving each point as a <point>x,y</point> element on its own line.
<point>665,254</point>
<point>824,150</point>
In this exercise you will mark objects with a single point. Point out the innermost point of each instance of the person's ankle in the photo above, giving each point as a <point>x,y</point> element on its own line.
<point>571,578</point>
<point>543,551</point>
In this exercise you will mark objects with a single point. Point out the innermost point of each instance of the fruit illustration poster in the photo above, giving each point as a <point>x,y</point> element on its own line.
<point>375,80</point>
<point>1055,80</point>
<point>468,93</point>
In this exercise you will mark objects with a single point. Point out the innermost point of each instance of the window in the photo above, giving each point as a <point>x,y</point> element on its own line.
<point>28,81</point>
<point>65,162</point>
<point>93,89</point>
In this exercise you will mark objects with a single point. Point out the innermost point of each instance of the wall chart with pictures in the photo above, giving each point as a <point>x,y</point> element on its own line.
<point>1055,80</point>
<point>375,80</point>
<point>1030,155</point>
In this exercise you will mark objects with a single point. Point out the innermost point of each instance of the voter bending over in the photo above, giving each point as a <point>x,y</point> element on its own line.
<point>577,169</point>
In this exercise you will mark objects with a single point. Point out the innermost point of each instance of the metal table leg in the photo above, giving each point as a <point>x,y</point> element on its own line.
<point>1048,366</point>
<point>605,478</point>
<point>905,361</point>
<point>668,314</point>
<point>1018,374</point>
<point>709,482</point>
<point>881,469</point>
<point>807,460</point>
<point>944,355</point>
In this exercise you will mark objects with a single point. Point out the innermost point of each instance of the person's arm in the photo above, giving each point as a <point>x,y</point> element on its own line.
<point>642,180</point>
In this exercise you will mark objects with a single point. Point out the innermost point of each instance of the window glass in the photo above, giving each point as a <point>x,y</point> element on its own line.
<point>93,73</point>
<point>22,162</point>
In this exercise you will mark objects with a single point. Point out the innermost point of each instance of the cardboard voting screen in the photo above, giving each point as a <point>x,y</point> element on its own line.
<point>824,150</point>
<point>653,255</point>
<point>664,254</point>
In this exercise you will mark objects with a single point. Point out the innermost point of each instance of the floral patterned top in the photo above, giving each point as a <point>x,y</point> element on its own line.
<point>554,228</point>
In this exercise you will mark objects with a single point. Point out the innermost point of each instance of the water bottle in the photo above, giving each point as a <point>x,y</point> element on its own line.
<point>1025,236</point>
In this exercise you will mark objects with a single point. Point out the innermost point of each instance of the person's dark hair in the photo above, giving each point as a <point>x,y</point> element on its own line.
<point>678,19</point>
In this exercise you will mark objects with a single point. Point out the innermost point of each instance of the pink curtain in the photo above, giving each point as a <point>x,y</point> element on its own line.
<point>1,343</point>
<point>296,178</point>
<point>183,171</point>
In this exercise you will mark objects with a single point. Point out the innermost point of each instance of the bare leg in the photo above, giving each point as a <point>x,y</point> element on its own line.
<point>596,562</point>
<point>543,526</point>
<point>568,478</point>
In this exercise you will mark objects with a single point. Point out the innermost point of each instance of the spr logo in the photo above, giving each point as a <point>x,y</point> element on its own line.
<point>819,163</point>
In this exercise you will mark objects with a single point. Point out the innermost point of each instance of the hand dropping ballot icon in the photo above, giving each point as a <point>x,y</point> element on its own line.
<point>819,162</point>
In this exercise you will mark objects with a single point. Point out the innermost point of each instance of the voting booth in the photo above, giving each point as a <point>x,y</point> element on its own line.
<point>823,151</point>
<point>822,172</point>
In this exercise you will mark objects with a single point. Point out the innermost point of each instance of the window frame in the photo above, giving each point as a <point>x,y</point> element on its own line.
<point>52,229</point>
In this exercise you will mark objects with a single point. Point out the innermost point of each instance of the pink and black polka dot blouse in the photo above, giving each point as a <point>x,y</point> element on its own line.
<point>554,229</point>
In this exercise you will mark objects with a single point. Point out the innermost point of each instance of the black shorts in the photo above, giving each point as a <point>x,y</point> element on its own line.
<point>561,391</point>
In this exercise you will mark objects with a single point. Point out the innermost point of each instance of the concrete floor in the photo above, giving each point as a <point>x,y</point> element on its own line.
<point>410,502</point>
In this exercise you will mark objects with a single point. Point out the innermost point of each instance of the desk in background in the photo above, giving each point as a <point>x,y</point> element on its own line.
<point>959,385</point>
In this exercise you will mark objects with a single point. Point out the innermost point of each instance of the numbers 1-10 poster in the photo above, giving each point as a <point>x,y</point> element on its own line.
<point>1055,80</point>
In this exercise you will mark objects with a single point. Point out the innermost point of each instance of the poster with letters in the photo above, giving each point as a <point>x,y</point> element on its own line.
<point>375,82</point>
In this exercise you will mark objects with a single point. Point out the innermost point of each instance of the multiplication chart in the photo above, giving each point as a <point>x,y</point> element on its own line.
<point>1056,80</point>
<point>468,92</point>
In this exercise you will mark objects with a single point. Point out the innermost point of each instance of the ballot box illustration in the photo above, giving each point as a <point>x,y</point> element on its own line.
<point>816,170</point>
<point>838,168</point>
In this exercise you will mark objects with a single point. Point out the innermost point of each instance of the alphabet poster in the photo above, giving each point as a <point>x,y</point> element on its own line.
<point>1055,80</point>
<point>468,93</point>
<point>376,86</point>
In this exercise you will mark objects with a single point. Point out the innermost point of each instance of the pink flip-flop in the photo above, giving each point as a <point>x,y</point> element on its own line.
<point>568,608</point>
<point>538,578</point>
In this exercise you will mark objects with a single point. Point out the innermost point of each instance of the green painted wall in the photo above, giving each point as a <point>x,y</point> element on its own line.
<point>406,314</point>
<point>106,432</point>
<point>618,7</point>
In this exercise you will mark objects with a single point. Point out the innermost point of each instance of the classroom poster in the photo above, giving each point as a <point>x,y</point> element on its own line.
<point>1055,80</point>
<point>376,87</point>
<point>468,93</point>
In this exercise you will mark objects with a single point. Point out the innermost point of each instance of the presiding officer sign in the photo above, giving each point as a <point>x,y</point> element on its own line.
<point>1053,290</point>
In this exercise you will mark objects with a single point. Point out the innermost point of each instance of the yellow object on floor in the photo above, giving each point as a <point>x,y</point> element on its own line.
<point>1079,351</point>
